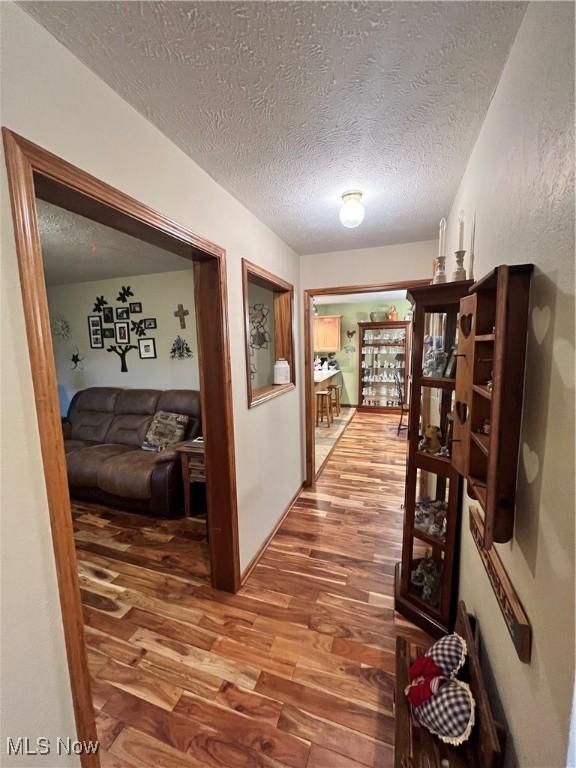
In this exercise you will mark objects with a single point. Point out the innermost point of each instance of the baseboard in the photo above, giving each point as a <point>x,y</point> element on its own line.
<point>256,559</point>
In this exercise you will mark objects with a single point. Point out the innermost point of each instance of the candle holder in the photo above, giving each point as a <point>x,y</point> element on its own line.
<point>440,273</point>
<point>459,273</point>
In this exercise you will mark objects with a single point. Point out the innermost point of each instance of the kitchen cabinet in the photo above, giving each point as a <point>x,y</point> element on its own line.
<point>327,333</point>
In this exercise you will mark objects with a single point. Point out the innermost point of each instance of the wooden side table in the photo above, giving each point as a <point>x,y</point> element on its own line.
<point>193,469</point>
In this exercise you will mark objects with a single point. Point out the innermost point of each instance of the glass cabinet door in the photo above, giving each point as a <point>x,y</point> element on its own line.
<point>383,366</point>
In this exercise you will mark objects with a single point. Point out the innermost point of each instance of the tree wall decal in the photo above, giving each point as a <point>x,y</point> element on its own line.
<point>121,350</point>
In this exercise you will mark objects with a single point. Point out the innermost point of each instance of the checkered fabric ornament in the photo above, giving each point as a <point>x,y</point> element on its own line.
<point>449,714</point>
<point>449,653</point>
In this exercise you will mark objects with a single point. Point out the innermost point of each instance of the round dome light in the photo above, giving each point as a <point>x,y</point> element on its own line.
<point>352,210</point>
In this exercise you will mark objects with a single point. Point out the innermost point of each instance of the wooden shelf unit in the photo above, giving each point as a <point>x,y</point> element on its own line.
<point>430,476</point>
<point>492,347</point>
<point>374,396</point>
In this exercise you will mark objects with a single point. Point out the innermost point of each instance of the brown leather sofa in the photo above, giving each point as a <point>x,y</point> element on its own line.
<point>103,432</point>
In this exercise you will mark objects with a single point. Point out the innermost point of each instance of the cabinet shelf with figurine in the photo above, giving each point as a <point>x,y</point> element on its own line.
<point>425,583</point>
<point>383,366</point>
<point>489,393</point>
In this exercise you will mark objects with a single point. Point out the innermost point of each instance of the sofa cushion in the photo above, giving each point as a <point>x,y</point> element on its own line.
<point>76,445</point>
<point>128,475</point>
<point>83,464</point>
<point>186,401</point>
<point>165,429</point>
<point>91,412</point>
<point>138,401</point>
<point>128,429</point>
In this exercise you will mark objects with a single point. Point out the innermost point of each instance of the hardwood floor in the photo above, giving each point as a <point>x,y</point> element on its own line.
<point>296,670</point>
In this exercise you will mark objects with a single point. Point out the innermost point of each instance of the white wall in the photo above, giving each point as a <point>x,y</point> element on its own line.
<point>159,295</point>
<point>389,263</point>
<point>519,180</point>
<point>49,97</point>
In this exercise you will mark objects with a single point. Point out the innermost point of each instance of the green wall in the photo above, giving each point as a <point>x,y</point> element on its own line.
<point>352,314</point>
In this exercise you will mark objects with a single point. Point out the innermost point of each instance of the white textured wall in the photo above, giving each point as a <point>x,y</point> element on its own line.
<point>519,180</point>
<point>52,99</point>
<point>386,264</point>
<point>159,295</point>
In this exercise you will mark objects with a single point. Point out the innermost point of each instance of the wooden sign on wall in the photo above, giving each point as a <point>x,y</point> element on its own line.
<point>514,615</point>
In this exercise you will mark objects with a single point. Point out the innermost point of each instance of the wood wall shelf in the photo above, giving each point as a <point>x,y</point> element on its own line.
<point>515,617</point>
<point>431,381</point>
<point>482,390</point>
<point>433,486</point>
<point>493,350</point>
<point>482,441</point>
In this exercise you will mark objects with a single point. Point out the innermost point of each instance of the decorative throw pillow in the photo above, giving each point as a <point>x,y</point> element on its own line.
<point>166,428</point>
<point>449,713</point>
<point>449,653</point>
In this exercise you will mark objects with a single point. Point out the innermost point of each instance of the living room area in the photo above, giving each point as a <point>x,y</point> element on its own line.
<point>123,326</point>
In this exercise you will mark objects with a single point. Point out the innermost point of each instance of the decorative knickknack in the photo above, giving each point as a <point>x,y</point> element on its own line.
<point>281,371</point>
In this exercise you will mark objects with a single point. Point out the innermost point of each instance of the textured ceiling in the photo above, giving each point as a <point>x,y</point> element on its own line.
<point>288,105</point>
<point>76,250</point>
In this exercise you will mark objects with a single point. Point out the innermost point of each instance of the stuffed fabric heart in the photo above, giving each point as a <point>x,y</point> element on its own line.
<point>449,653</point>
<point>449,713</point>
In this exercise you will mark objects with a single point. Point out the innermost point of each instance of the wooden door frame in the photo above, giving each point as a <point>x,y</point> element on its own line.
<point>309,294</point>
<point>33,171</point>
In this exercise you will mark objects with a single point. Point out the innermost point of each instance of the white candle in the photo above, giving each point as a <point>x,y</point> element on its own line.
<point>442,238</point>
<point>461,231</point>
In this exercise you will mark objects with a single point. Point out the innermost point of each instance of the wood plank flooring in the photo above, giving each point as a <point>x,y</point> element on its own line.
<point>296,670</point>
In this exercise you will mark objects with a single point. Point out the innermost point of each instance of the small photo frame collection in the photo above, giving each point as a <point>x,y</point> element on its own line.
<point>95,332</point>
<point>112,325</point>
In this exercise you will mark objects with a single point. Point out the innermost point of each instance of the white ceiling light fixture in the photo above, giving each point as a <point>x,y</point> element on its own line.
<point>352,211</point>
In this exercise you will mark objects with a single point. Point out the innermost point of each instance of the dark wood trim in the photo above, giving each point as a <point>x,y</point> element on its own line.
<point>513,613</point>
<point>32,170</point>
<point>256,559</point>
<point>309,294</point>
<point>283,329</point>
<point>210,288</point>
<point>309,403</point>
<point>371,288</point>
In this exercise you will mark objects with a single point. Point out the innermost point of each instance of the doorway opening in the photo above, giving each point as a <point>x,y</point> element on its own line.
<point>38,179</point>
<point>356,345</point>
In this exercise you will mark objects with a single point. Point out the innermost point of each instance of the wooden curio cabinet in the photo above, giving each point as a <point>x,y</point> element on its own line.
<point>426,583</point>
<point>383,365</point>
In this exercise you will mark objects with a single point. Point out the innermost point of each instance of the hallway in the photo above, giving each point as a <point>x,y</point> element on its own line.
<point>295,670</point>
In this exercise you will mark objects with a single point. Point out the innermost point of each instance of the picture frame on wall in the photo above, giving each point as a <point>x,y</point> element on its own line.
<point>107,333</point>
<point>150,323</point>
<point>136,307</point>
<point>95,332</point>
<point>122,333</point>
<point>108,314</point>
<point>122,313</point>
<point>147,349</point>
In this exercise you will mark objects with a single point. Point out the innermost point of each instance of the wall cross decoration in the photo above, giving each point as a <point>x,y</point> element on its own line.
<point>181,313</point>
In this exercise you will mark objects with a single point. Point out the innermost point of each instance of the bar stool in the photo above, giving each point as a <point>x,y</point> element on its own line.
<point>336,396</point>
<point>323,406</point>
